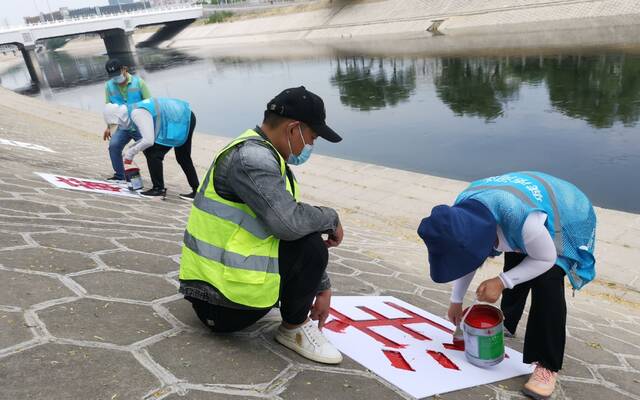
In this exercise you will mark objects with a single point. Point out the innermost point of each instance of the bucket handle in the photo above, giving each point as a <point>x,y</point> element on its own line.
<point>468,311</point>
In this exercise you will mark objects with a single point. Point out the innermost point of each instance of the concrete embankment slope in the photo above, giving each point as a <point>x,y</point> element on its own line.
<point>388,200</point>
<point>394,17</point>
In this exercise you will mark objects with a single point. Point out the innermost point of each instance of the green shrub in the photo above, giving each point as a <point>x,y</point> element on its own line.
<point>219,16</point>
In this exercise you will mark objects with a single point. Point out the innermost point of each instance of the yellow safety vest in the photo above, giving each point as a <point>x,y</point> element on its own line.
<point>227,246</point>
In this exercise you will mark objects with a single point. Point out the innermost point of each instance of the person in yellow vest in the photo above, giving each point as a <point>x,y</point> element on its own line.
<point>251,244</point>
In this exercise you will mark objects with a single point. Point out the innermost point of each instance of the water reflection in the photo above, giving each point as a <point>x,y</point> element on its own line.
<point>475,87</point>
<point>370,84</point>
<point>63,70</point>
<point>600,90</point>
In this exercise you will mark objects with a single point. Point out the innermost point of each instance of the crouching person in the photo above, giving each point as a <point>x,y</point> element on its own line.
<point>251,244</point>
<point>546,228</point>
<point>163,124</point>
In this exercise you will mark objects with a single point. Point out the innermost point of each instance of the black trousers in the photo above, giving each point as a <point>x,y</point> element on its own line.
<point>545,336</point>
<point>302,263</point>
<point>155,156</point>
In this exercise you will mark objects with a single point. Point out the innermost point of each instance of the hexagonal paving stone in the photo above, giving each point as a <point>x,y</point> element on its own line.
<point>11,240</point>
<point>575,368</point>
<point>313,385</point>
<point>94,212</point>
<point>634,362</point>
<point>579,390</point>
<point>96,320</point>
<point>126,285</point>
<point>69,241</point>
<point>590,353</point>
<point>347,285</point>
<point>63,372</point>
<point>627,381</point>
<point>23,290</point>
<point>30,206</point>
<point>46,260</point>
<point>334,267</point>
<point>193,356</point>
<point>606,342</point>
<point>13,328</point>
<point>367,266</point>
<point>436,295</point>
<point>474,393</point>
<point>151,246</point>
<point>385,282</point>
<point>140,262</point>
<point>16,189</point>
<point>351,254</point>
<point>183,311</point>
<point>199,395</point>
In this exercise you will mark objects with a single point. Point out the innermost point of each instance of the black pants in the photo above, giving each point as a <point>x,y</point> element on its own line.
<point>545,336</point>
<point>302,263</point>
<point>155,156</point>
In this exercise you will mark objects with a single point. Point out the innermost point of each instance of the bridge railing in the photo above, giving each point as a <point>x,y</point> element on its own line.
<point>146,11</point>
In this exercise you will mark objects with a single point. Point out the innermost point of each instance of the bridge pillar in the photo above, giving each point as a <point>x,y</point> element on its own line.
<point>120,44</point>
<point>31,60</point>
<point>117,41</point>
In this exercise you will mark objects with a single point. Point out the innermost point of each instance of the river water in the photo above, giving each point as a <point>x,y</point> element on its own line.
<point>571,115</point>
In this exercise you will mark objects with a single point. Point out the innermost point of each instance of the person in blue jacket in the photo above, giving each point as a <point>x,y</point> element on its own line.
<point>546,228</point>
<point>163,124</point>
<point>121,88</point>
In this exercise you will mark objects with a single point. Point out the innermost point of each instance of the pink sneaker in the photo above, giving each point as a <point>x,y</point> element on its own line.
<point>541,384</point>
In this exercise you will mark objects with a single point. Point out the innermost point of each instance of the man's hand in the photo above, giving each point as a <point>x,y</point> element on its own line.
<point>127,162</point>
<point>336,237</point>
<point>107,134</point>
<point>490,290</point>
<point>320,307</point>
<point>455,313</point>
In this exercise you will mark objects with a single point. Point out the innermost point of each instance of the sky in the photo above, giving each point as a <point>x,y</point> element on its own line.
<point>12,11</point>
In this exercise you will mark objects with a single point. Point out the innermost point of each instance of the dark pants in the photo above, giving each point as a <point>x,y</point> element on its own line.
<point>155,155</point>
<point>302,263</point>
<point>545,336</point>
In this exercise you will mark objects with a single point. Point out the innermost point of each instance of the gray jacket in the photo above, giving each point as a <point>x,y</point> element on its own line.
<point>250,173</point>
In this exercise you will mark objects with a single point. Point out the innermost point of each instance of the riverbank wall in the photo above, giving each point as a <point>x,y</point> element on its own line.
<point>387,18</point>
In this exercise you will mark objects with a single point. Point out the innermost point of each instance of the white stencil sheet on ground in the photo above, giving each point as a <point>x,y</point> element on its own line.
<point>87,185</point>
<point>409,347</point>
<point>25,145</point>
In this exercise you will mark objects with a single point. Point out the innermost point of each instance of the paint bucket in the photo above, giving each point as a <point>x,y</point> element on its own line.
<point>483,335</point>
<point>132,172</point>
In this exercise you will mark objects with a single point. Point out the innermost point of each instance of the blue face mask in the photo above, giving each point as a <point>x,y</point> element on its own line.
<point>119,79</point>
<point>304,154</point>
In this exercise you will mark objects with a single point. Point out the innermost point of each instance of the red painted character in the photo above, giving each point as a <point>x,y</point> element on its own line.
<point>88,185</point>
<point>396,358</point>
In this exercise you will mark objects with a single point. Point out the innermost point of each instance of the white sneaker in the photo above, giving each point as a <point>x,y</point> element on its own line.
<point>309,342</point>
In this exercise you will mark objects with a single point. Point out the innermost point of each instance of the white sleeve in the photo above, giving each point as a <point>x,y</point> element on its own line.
<point>540,250</point>
<point>144,122</point>
<point>460,287</point>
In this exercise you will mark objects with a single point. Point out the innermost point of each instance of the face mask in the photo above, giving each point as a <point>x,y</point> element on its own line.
<point>304,154</point>
<point>119,79</point>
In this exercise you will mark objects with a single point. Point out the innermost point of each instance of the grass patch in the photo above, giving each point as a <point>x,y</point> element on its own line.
<point>219,16</point>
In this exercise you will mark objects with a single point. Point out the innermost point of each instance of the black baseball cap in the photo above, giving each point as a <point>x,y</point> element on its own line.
<point>113,67</point>
<point>302,105</point>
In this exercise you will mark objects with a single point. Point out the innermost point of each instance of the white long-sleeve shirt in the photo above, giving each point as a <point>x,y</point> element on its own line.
<point>144,122</point>
<point>540,250</point>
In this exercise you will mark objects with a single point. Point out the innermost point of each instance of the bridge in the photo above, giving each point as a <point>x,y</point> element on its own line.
<point>115,29</point>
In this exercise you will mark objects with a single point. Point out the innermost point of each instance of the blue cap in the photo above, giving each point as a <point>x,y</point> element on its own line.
<point>459,239</point>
